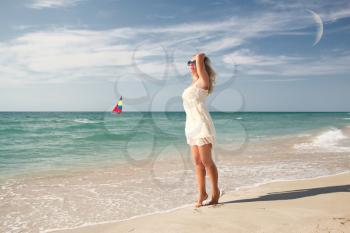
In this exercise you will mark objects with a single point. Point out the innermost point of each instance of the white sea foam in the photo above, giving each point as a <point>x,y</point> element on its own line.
<point>303,135</point>
<point>327,141</point>
<point>105,201</point>
<point>346,118</point>
<point>239,118</point>
<point>84,121</point>
<point>190,205</point>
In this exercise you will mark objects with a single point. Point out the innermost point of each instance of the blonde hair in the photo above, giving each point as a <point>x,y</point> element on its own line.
<point>211,73</point>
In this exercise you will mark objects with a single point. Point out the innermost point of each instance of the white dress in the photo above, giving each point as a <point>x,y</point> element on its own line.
<point>199,129</point>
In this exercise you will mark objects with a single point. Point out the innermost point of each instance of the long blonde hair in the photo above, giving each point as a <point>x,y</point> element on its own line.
<point>211,73</point>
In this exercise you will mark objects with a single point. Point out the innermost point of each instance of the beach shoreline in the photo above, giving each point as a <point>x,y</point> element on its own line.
<point>92,178</point>
<point>303,205</point>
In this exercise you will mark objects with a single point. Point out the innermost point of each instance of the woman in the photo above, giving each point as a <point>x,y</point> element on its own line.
<point>200,131</point>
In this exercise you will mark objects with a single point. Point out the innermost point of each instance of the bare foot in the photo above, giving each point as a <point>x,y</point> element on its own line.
<point>215,197</point>
<point>201,198</point>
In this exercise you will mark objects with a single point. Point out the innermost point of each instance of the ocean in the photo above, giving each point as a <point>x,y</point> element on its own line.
<point>68,169</point>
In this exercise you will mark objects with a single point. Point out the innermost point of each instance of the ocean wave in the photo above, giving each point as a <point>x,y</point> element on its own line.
<point>85,121</point>
<point>327,141</point>
<point>12,131</point>
<point>102,137</point>
<point>346,118</point>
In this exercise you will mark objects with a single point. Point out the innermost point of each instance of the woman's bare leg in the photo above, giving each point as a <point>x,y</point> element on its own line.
<point>205,155</point>
<point>200,174</point>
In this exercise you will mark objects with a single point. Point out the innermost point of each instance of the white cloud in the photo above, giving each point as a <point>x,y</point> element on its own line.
<point>283,80</point>
<point>221,44</point>
<point>247,57</point>
<point>64,54</point>
<point>162,17</point>
<point>23,27</point>
<point>334,62</point>
<point>41,4</point>
<point>328,10</point>
<point>340,14</point>
<point>65,49</point>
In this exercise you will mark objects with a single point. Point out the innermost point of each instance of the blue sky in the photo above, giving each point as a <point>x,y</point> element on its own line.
<point>81,55</point>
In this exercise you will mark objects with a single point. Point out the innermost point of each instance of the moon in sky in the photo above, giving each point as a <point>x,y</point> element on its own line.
<point>319,23</point>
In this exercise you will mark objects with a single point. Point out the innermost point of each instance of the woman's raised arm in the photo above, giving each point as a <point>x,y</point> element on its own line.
<point>201,71</point>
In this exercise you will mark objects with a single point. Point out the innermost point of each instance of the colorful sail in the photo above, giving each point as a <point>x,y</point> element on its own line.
<point>119,106</point>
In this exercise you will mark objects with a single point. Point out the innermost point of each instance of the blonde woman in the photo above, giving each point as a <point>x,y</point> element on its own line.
<point>200,131</point>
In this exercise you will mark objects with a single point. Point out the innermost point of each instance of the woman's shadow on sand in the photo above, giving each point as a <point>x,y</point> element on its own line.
<point>293,194</point>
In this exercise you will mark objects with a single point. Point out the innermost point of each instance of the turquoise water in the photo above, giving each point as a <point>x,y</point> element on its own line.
<point>32,141</point>
<point>70,151</point>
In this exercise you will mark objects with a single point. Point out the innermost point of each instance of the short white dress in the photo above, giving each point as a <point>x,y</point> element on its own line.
<point>199,129</point>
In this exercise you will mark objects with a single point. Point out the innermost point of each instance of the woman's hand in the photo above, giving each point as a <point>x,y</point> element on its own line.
<point>200,56</point>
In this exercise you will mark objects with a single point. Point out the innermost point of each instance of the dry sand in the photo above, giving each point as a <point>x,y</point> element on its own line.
<point>310,205</point>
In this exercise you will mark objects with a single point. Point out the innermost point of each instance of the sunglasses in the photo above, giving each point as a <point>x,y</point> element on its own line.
<point>191,63</point>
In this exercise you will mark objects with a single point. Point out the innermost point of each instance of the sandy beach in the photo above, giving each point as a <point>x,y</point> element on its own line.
<point>308,205</point>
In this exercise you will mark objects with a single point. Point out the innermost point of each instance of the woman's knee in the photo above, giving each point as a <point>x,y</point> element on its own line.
<point>205,155</point>
<point>196,157</point>
<point>208,163</point>
<point>198,162</point>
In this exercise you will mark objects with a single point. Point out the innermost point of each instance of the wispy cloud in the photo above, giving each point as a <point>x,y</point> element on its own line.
<point>65,54</point>
<point>164,17</point>
<point>23,27</point>
<point>282,80</point>
<point>41,4</point>
<point>328,10</point>
<point>247,57</point>
<point>335,62</point>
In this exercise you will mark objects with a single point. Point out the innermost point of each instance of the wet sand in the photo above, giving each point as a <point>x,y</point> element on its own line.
<point>309,205</point>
